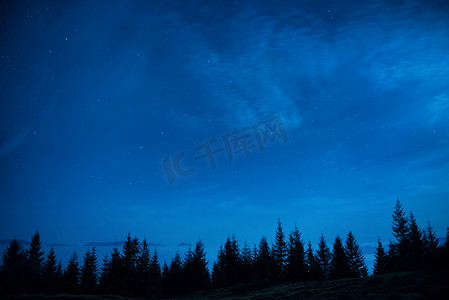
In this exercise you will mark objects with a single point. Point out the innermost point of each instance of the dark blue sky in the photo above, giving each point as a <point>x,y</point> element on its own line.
<point>94,96</point>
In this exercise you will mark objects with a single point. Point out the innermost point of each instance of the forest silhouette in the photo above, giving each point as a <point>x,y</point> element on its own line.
<point>135,271</point>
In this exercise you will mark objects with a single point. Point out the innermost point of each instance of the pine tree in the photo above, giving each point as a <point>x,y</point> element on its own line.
<point>227,269</point>
<point>432,256</point>
<point>130,255</point>
<point>188,255</point>
<point>172,277</point>
<point>196,274</point>
<point>400,228</point>
<point>13,266</point>
<point>356,260</point>
<point>104,270</point>
<point>186,267</point>
<point>295,256</point>
<point>112,273</point>
<point>247,263</point>
<point>129,262</point>
<point>323,258</point>
<point>104,275</point>
<point>50,271</point>
<point>392,258</point>
<point>398,249</point>
<point>164,278</point>
<point>200,262</point>
<point>59,274</point>
<point>49,268</point>
<point>155,269</point>
<point>35,257</point>
<point>380,259</point>
<point>13,257</point>
<point>415,244</point>
<point>311,264</point>
<point>151,286</point>
<point>232,264</point>
<point>218,278</point>
<point>89,271</point>
<point>263,262</point>
<point>174,280</point>
<point>430,240</point>
<point>255,253</point>
<point>143,266</point>
<point>279,253</point>
<point>339,262</point>
<point>72,274</point>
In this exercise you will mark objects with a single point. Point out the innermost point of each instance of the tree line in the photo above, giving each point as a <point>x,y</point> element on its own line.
<point>135,270</point>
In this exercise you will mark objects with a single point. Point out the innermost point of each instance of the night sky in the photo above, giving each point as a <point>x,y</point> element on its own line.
<point>321,113</point>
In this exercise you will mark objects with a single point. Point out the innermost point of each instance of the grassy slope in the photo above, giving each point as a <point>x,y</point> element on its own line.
<point>405,285</point>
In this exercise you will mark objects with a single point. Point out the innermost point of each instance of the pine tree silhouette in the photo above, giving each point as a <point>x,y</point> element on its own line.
<point>13,267</point>
<point>255,252</point>
<point>263,261</point>
<point>430,240</point>
<point>232,261</point>
<point>151,285</point>
<point>174,279</point>
<point>59,274</point>
<point>398,250</point>
<point>200,262</point>
<point>323,258</point>
<point>356,260</point>
<point>279,250</point>
<point>112,273</point>
<point>247,263</point>
<point>164,277</point>
<point>35,257</point>
<point>432,256</point>
<point>50,271</point>
<point>295,256</point>
<point>89,271</point>
<point>339,262</point>
<point>143,267</point>
<point>136,272</point>
<point>155,269</point>
<point>311,263</point>
<point>130,255</point>
<point>400,228</point>
<point>228,267</point>
<point>186,268</point>
<point>218,269</point>
<point>380,259</point>
<point>196,274</point>
<point>415,244</point>
<point>72,274</point>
